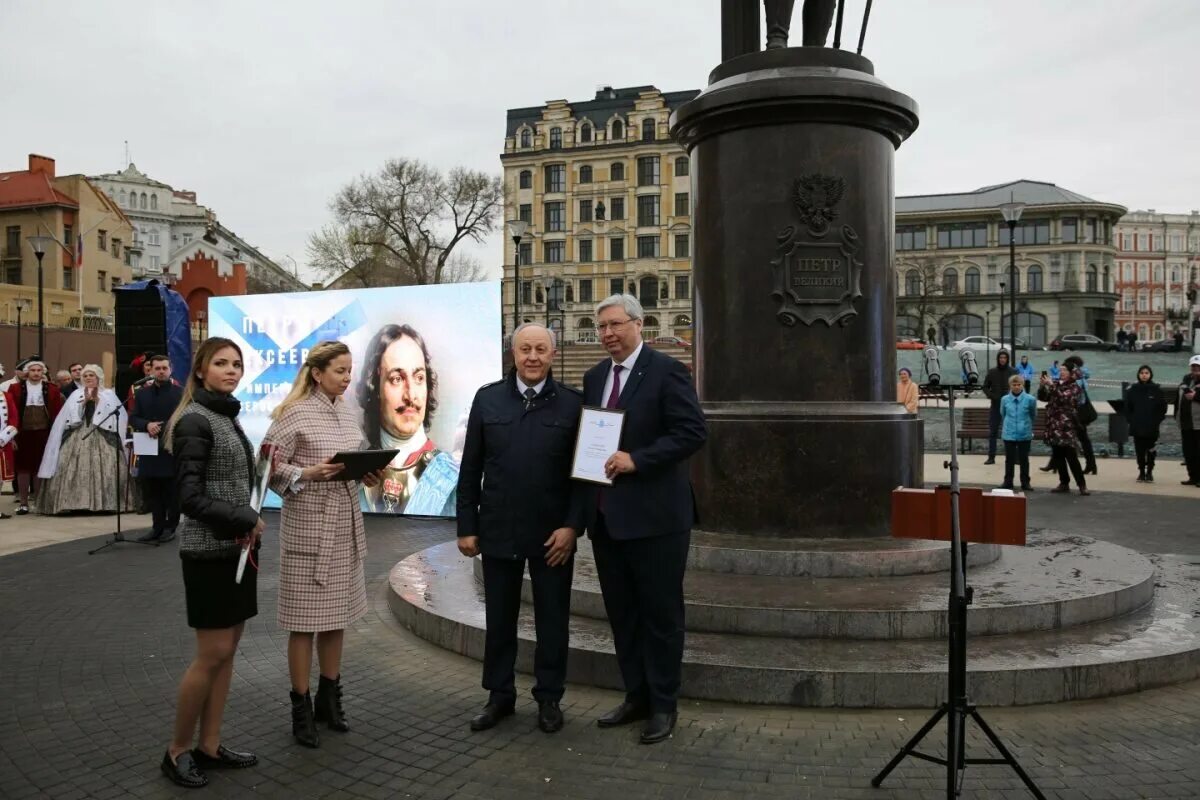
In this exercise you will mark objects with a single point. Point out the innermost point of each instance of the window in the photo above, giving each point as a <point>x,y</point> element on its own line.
<point>647,210</point>
<point>68,279</point>
<point>116,248</point>
<point>187,238</point>
<point>648,130</point>
<point>585,250</point>
<point>964,234</point>
<point>647,246</point>
<point>616,252</point>
<point>960,326</point>
<point>526,138</point>
<point>154,263</point>
<point>1091,278</point>
<point>647,171</point>
<point>12,242</point>
<point>972,280</point>
<point>618,208</point>
<point>102,239</point>
<point>618,130</point>
<point>1030,231</point>
<point>556,216</point>
<point>144,201</point>
<point>526,252</point>
<point>950,281</point>
<point>570,292</point>
<point>556,138</point>
<point>526,213</point>
<point>616,285</point>
<point>585,210</point>
<point>908,325</point>
<point>683,245</point>
<point>69,235</point>
<point>1033,279</point>
<point>102,281</point>
<point>1176,242</point>
<point>600,209</point>
<point>585,290</point>
<point>585,132</point>
<point>910,237</point>
<point>585,174</point>
<point>1031,327</point>
<point>1091,232</point>
<point>124,197</point>
<point>682,166</point>
<point>115,283</point>
<point>153,202</point>
<point>556,177</point>
<point>526,293</point>
<point>1070,232</point>
<point>682,207</point>
<point>616,171</point>
<point>1143,301</point>
<point>912,283</point>
<point>682,288</point>
<point>1158,273</point>
<point>555,252</point>
<point>526,179</point>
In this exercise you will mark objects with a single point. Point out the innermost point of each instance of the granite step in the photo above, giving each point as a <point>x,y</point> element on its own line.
<point>825,558</point>
<point>437,597</point>
<point>1057,581</point>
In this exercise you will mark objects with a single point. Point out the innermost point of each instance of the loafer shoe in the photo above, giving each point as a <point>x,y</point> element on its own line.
<point>550,716</point>
<point>492,713</point>
<point>659,727</point>
<point>183,770</point>
<point>225,759</point>
<point>623,715</point>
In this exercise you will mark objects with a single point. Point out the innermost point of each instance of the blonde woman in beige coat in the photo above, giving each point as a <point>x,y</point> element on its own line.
<point>322,544</point>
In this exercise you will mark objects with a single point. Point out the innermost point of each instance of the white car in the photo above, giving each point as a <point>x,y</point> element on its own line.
<point>975,343</point>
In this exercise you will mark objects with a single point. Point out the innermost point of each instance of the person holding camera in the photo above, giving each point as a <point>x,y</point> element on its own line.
<point>1062,428</point>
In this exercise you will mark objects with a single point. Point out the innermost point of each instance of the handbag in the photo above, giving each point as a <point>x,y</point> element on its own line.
<point>1087,411</point>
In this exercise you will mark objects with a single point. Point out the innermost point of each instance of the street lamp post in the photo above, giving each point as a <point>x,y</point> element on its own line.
<point>39,244</point>
<point>516,229</point>
<point>1012,215</point>
<point>1001,336</point>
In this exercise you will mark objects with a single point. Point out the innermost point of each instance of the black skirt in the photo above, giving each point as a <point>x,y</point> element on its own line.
<point>214,600</point>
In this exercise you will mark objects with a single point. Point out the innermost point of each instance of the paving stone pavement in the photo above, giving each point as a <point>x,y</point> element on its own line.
<point>91,650</point>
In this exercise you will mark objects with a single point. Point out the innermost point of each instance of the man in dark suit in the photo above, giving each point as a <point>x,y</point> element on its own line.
<point>153,404</point>
<point>641,525</point>
<point>516,503</point>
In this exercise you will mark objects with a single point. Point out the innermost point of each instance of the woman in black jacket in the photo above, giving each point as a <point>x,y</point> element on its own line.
<point>1145,408</point>
<point>214,479</point>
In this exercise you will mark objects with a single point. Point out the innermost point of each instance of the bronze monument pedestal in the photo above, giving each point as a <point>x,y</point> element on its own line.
<point>792,161</point>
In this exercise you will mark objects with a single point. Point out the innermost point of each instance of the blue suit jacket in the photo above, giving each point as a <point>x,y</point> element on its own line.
<point>663,427</point>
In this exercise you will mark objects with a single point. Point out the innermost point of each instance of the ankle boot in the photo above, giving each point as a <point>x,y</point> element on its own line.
<point>328,705</point>
<point>1141,478</point>
<point>1150,466</point>
<point>304,727</point>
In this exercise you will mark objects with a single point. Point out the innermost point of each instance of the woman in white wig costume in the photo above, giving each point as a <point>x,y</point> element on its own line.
<point>85,454</point>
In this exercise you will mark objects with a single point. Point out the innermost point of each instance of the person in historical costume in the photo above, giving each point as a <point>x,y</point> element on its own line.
<point>37,402</point>
<point>85,457</point>
<point>398,398</point>
<point>8,432</point>
<point>322,543</point>
<point>215,481</point>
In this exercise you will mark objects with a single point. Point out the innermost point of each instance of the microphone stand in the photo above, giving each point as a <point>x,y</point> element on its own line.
<point>117,535</point>
<point>958,709</point>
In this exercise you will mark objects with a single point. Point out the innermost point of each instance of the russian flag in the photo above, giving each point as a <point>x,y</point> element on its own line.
<point>79,251</point>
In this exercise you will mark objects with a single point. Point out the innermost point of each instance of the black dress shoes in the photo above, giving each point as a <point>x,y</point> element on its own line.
<point>659,727</point>
<point>183,770</point>
<point>168,535</point>
<point>550,716</point>
<point>224,759</point>
<point>492,713</point>
<point>623,715</point>
<point>150,536</point>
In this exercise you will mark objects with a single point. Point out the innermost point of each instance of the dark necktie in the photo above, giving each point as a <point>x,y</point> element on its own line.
<point>529,395</point>
<point>615,394</point>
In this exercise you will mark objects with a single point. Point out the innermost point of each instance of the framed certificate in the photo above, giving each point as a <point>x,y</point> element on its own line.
<point>599,437</point>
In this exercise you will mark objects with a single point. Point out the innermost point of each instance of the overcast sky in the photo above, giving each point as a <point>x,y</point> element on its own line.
<point>266,108</point>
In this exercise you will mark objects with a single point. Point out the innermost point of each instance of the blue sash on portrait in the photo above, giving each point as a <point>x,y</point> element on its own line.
<point>434,495</point>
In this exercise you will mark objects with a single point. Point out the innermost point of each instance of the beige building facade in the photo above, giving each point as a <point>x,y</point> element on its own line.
<point>607,196</point>
<point>88,256</point>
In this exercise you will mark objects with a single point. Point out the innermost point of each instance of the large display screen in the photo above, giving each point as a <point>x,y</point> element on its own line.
<point>420,353</point>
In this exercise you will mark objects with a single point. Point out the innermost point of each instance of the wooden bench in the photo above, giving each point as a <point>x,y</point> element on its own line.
<point>975,426</point>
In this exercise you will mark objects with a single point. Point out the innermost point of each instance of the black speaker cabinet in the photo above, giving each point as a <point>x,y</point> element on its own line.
<point>141,327</point>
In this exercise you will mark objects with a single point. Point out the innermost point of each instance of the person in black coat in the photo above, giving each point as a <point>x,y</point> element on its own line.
<point>153,405</point>
<point>516,504</point>
<point>641,525</point>
<point>995,386</point>
<point>1145,408</point>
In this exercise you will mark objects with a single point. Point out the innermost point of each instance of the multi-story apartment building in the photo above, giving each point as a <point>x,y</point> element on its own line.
<point>168,222</point>
<point>91,236</point>
<point>606,193</point>
<point>1158,258</point>
<point>952,262</point>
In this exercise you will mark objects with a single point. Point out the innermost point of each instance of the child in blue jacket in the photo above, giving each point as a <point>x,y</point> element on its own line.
<point>1018,412</point>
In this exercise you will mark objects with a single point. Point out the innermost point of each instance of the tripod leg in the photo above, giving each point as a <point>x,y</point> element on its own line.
<point>909,747</point>
<point>999,745</point>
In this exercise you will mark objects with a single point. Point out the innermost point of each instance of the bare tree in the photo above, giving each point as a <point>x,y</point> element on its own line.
<point>402,224</point>
<point>927,303</point>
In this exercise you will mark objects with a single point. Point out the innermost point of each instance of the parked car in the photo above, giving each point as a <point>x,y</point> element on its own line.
<point>1158,346</point>
<point>1081,341</point>
<point>909,343</point>
<point>675,340</point>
